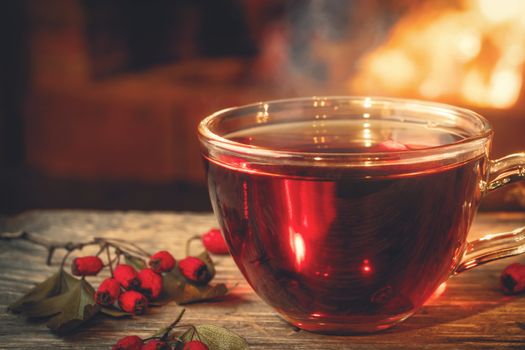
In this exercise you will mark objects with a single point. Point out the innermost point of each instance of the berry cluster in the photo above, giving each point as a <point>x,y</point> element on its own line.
<point>167,339</point>
<point>137,280</point>
<point>134,289</point>
<point>133,342</point>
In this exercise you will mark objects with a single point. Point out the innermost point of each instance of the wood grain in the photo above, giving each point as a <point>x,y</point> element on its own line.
<point>471,314</point>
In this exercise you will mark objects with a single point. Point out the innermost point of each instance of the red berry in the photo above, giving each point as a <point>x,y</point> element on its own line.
<point>195,345</point>
<point>214,242</point>
<point>162,261</point>
<point>195,270</point>
<point>156,344</point>
<point>150,283</point>
<point>513,279</point>
<point>391,146</point>
<point>127,276</point>
<point>133,302</point>
<point>86,266</point>
<point>108,291</point>
<point>131,342</point>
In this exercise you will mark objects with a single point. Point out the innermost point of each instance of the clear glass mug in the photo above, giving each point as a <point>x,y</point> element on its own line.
<point>345,214</point>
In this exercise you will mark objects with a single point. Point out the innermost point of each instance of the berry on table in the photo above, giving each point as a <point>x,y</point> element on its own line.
<point>133,302</point>
<point>156,344</point>
<point>162,261</point>
<point>108,291</point>
<point>150,283</point>
<point>195,270</point>
<point>512,279</point>
<point>214,242</point>
<point>86,266</point>
<point>127,276</point>
<point>195,345</point>
<point>131,342</point>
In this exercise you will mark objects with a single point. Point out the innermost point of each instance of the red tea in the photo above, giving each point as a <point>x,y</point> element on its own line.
<point>343,246</point>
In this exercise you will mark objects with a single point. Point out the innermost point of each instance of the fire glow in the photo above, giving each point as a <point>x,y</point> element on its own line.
<point>473,53</point>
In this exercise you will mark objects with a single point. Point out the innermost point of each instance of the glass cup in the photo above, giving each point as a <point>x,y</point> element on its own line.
<point>345,214</point>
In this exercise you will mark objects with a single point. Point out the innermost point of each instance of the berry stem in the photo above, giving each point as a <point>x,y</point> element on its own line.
<point>102,248</point>
<point>172,325</point>
<point>64,259</point>
<point>188,243</point>
<point>110,263</point>
<point>124,246</point>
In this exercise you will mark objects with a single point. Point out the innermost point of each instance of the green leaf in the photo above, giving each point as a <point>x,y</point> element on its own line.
<point>204,256</point>
<point>137,263</point>
<point>78,306</point>
<point>172,285</point>
<point>216,338</point>
<point>47,307</point>
<point>113,312</point>
<point>58,283</point>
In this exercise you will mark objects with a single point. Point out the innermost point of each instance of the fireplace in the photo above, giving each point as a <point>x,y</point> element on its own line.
<point>116,90</point>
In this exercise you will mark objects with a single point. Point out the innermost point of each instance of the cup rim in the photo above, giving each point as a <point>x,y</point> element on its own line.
<point>479,140</point>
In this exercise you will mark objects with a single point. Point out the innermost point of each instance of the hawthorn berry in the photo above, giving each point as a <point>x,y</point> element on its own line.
<point>86,266</point>
<point>108,291</point>
<point>214,242</point>
<point>391,146</point>
<point>133,302</point>
<point>512,279</point>
<point>162,261</point>
<point>127,276</point>
<point>195,345</point>
<point>150,283</point>
<point>156,344</point>
<point>195,270</point>
<point>131,342</point>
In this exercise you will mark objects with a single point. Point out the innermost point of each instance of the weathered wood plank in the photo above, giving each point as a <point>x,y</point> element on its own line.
<point>471,314</point>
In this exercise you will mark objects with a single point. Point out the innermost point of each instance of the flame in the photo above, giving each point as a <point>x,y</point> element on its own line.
<point>472,53</point>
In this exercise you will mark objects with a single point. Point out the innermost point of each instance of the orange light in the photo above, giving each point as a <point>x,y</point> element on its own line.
<point>438,292</point>
<point>473,53</point>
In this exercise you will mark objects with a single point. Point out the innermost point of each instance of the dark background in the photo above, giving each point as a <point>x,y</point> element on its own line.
<point>99,100</point>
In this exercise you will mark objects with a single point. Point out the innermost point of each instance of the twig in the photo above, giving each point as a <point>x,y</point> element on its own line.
<point>51,246</point>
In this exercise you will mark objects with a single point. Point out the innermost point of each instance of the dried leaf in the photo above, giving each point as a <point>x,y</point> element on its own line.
<point>192,293</point>
<point>137,263</point>
<point>58,283</point>
<point>175,287</point>
<point>78,307</point>
<point>216,338</point>
<point>204,256</point>
<point>113,312</point>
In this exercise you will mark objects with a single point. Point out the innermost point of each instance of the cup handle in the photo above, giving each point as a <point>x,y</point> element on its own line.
<point>495,246</point>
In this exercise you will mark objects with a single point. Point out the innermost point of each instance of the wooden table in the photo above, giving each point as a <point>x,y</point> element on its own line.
<point>471,314</point>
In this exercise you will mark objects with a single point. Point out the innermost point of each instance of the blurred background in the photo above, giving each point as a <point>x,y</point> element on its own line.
<point>100,99</point>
